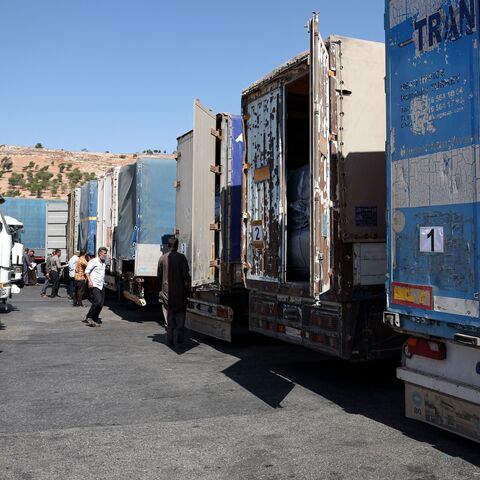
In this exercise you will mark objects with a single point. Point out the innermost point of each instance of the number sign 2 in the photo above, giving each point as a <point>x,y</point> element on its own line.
<point>257,234</point>
<point>431,240</point>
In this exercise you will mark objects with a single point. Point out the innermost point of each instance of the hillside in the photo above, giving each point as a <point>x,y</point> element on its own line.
<point>46,173</point>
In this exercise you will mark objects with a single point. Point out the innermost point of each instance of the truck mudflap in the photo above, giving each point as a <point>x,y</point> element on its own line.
<point>349,330</point>
<point>211,319</point>
<point>444,411</point>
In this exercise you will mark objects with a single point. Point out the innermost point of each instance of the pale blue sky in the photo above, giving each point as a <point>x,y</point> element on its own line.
<point>121,75</point>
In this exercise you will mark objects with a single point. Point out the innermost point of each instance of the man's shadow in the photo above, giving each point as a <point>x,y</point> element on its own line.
<point>179,349</point>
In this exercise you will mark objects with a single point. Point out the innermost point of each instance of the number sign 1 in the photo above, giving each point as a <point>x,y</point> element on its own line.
<point>431,239</point>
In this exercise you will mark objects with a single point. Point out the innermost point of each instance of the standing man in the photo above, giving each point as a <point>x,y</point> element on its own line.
<point>174,276</point>
<point>72,263</point>
<point>55,269</point>
<point>79,291</point>
<point>26,267</point>
<point>95,273</point>
<point>48,266</point>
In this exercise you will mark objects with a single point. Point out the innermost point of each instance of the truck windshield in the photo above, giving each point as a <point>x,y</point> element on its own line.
<point>16,232</point>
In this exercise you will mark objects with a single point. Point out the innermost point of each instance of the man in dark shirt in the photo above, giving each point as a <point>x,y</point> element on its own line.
<point>174,276</point>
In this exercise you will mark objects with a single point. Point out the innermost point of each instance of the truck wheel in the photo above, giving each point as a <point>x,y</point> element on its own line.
<point>5,306</point>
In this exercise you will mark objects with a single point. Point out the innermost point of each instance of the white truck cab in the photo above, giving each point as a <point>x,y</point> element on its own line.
<point>16,228</point>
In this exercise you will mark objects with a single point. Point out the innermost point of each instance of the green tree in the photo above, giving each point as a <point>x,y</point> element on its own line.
<point>38,145</point>
<point>16,179</point>
<point>61,167</point>
<point>13,193</point>
<point>6,164</point>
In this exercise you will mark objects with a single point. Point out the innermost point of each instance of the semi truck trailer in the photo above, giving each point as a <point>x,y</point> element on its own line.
<point>313,249</point>
<point>433,232</point>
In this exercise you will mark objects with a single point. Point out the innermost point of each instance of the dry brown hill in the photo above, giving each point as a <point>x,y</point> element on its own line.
<point>46,173</point>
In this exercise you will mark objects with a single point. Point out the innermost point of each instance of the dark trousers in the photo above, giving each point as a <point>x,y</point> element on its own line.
<point>55,279</point>
<point>79,292</point>
<point>96,297</point>
<point>174,325</point>
<point>71,286</point>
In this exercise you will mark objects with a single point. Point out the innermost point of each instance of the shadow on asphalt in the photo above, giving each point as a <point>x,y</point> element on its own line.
<point>180,349</point>
<point>368,389</point>
<point>270,369</point>
<point>131,312</point>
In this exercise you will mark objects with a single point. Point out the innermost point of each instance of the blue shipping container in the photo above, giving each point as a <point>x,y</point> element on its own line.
<point>146,204</point>
<point>32,213</point>
<point>433,165</point>
<point>87,230</point>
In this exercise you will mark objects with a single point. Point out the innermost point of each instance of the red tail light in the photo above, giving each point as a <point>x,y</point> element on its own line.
<point>426,348</point>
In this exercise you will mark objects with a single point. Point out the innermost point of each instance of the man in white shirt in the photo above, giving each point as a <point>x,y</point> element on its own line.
<point>95,273</point>
<point>72,263</point>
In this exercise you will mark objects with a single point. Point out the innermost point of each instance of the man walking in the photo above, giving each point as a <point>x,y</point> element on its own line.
<point>55,269</point>
<point>72,263</point>
<point>95,273</point>
<point>174,276</point>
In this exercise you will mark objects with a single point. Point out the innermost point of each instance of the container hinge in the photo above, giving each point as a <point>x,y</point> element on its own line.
<point>332,73</point>
<point>247,166</point>
<point>216,133</point>
<point>176,184</point>
<point>333,137</point>
<point>246,116</point>
<point>245,215</point>
<point>216,169</point>
<point>176,231</point>
<point>215,263</point>
<point>215,226</point>
<point>246,266</point>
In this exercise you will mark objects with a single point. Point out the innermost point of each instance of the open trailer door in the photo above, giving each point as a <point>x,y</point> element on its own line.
<point>319,163</point>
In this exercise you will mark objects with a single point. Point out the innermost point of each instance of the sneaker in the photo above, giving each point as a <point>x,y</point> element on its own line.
<point>85,320</point>
<point>43,295</point>
<point>91,323</point>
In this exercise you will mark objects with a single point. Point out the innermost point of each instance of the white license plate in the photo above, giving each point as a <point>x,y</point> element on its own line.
<point>293,332</point>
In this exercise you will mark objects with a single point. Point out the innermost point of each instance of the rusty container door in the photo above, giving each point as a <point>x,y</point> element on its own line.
<point>319,163</point>
<point>264,217</point>
<point>203,195</point>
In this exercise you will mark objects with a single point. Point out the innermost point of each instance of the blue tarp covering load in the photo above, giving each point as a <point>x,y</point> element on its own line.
<point>32,213</point>
<point>87,230</point>
<point>298,240</point>
<point>236,188</point>
<point>146,209</point>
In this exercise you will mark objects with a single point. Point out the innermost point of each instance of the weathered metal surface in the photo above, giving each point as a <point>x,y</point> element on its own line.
<point>264,147</point>
<point>433,149</point>
<point>320,216</point>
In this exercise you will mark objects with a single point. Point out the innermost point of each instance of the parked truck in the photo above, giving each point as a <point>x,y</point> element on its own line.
<point>433,237</point>
<point>142,216</point>
<point>208,221</point>
<point>8,238</point>
<point>44,224</point>
<point>314,253</point>
<point>87,217</point>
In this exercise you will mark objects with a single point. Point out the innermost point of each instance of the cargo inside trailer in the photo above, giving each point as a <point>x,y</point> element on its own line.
<point>297,174</point>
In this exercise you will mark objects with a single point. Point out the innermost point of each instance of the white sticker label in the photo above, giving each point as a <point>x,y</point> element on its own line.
<point>431,239</point>
<point>183,248</point>
<point>257,232</point>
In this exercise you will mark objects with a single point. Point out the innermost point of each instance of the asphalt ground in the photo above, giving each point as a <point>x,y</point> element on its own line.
<point>116,402</point>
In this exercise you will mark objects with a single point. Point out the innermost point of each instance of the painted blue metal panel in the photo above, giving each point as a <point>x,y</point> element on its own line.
<point>146,204</point>
<point>155,212</point>
<point>32,213</point>
<point>236,188</point>
<point>88,217</point>
<point>432,172</point>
